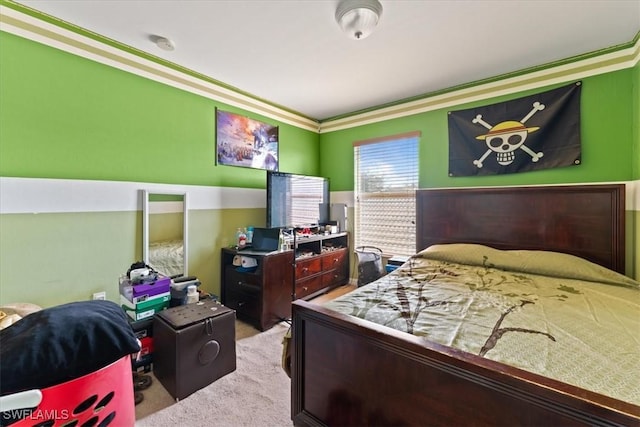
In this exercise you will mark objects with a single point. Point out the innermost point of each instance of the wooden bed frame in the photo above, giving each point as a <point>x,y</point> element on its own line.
<point>348,371</point>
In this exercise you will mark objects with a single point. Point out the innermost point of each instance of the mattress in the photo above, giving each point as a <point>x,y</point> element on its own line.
<point>549,313</point>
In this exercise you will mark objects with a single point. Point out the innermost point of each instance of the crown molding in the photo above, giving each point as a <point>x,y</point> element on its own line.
<point>589,65</point>
<point>111,53</point>
<point>34,29</point>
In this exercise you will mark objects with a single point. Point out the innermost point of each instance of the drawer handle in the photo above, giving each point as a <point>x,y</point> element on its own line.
<point>305,269</point>
<point>335,260</point>
<point>304,288</point>
<point>240,283</point>
<point>240,303</point>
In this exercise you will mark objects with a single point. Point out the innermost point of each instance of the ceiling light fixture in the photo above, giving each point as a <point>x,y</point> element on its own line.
<point>164,43</point>
<point>358,18</point>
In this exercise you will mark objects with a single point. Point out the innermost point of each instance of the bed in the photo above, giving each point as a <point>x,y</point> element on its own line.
<point>348,370</point>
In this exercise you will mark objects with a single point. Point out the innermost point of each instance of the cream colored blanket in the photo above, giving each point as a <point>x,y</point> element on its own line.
<point>549,313</point>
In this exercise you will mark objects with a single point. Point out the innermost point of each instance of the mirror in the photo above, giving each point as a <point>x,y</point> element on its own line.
<point>165,225</point>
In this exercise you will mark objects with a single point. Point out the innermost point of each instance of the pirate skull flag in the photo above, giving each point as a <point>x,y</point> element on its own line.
<point>535,132</point>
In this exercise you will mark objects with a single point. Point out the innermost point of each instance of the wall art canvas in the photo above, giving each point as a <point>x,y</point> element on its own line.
<point>241,141</point>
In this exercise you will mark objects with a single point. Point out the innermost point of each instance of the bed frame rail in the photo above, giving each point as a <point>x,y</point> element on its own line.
<point>341,376</point>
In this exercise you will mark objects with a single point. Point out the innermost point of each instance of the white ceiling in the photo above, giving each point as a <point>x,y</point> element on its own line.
<point>293,54</point>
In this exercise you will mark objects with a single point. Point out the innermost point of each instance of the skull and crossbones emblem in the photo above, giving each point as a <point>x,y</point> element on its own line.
<point>506,137</point>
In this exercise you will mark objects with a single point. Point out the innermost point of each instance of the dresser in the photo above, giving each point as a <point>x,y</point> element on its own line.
<point>262,294</point>
<point>322,263</point>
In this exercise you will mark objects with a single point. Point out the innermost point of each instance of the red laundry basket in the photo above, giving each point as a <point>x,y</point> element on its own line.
<point>101,398</point>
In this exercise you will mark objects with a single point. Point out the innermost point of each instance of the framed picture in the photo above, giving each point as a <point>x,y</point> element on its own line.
<point>241,141</point>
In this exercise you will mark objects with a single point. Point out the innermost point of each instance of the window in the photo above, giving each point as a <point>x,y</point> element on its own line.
<point>306,194</point>
<point>294,200</point>
<point>386,179</point>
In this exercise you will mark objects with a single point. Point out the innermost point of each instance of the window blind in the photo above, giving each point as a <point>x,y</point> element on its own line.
<point>306,195</point>
<point>386,179</point>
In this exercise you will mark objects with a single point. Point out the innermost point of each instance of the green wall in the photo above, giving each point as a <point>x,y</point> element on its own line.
<point>610,116</point>
<point>64,116</point>
<point>607,140</point>
<point>67,117</point>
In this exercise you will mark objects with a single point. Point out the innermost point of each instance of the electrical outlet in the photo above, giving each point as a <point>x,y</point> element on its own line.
<point>100,295</point>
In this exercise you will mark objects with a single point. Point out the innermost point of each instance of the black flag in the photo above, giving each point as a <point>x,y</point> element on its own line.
<point>535,132</point>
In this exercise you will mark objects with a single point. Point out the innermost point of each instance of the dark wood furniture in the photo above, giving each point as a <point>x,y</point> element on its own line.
<point>586,221</point>
<point>326,267</point>
<point>348,371</point>
<point>263,297</point>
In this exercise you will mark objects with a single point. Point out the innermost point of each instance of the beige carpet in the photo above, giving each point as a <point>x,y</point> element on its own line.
<point>258,393</point>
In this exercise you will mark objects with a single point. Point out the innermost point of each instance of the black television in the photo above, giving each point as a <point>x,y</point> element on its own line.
<point>295,200</point>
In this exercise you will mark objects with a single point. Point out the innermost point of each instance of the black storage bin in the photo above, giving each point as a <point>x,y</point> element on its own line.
<point>194,345</point>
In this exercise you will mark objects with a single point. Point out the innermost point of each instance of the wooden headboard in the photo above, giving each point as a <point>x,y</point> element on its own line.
<point>582,220</point>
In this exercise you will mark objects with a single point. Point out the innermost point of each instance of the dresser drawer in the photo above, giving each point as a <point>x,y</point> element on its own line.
<point>334,259</point>
<point>245,303</point>
<point>308,286</point>
<point>334,277</point>
<point>239,278</point>
<point>308,267</point>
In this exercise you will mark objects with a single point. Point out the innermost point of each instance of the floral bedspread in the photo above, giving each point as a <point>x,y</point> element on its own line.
<point>549,313</point>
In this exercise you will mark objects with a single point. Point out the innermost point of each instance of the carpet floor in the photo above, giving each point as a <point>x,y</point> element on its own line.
<point>257,393</point>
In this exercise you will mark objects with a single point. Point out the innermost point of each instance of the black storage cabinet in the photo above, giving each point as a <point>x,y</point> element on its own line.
<point>194,345</point>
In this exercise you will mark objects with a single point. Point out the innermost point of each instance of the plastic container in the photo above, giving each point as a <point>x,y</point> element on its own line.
<point>103,397</point>
<point>389,267</point>
<point>281,244</point>
<point>192,294</point>
<point>242,238</point>
<point>179,289</point>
